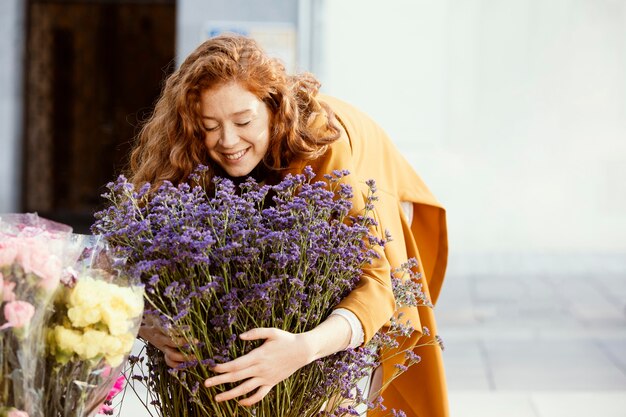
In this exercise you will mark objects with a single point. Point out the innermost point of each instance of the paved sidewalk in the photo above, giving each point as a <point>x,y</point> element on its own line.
<point>544,345</point>
<point>537,345</point>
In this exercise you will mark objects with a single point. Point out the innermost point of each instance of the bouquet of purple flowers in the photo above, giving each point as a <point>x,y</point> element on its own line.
<point>218,263</point>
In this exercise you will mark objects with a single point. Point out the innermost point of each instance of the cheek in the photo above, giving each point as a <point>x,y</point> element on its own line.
<point>264,139</point>
<point>209,142</point>
<point>266,145</point>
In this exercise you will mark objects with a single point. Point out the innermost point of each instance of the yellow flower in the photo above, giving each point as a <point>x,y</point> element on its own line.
<point>95,301</point>
<point>82,316</point>
<point>114,360</point>
<point>86,291</point>
<point>127,340</point>
<point>123,305</point>
<point>93,343</point>
<point>116,321</point>
<point>103,315</point>
<point>133,298</point>
<point>67,339</point>
<point>117,347</point>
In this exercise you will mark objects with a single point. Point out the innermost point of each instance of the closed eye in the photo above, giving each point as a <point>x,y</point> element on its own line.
<point>211,128</point>
<point>243,123</point>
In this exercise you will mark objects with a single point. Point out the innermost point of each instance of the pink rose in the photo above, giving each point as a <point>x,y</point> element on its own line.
<point>7,290</point>
<point>17,413</point>
<point>50,272</point>
<point>8,252</point>
<point>29,251</point>
<point>34,256</point>
<point>18,314</point>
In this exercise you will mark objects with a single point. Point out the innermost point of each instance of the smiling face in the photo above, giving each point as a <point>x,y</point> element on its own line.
<point>236,125</point>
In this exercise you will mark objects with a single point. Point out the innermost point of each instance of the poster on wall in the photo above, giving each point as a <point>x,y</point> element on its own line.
<point>278,39</point>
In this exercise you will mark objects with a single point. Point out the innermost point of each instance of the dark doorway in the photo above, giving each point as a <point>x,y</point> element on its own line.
<point>94,70</point>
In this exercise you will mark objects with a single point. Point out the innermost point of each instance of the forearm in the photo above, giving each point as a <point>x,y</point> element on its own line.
<point>372,300</point>
<point>331,336</point>
<point>356,328</point>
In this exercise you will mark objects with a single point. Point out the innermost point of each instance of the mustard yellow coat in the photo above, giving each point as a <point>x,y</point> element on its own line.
<point>366,151</point>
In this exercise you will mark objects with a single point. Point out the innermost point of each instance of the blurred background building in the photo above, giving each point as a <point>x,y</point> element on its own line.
<point>513,111</point>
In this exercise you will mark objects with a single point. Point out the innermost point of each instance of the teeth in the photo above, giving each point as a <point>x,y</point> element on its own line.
<point>237,155</point>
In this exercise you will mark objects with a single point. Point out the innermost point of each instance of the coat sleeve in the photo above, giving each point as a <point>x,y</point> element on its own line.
<point>372,299</point>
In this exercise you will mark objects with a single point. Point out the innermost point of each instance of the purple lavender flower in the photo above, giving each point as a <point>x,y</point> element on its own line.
<point>219,262</point>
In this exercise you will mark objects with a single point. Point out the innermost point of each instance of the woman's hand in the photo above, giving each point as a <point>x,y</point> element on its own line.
<point>281,355</point>
<point>152,331</point>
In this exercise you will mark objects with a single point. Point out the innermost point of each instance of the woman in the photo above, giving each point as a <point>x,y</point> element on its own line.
<point>231,107</point>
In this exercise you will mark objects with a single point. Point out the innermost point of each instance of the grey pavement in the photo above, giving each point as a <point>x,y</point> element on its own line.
<point>540,344</point>
<point>535,345</point>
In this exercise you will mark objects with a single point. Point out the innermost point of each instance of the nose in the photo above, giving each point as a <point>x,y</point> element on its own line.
<point>229,137</point>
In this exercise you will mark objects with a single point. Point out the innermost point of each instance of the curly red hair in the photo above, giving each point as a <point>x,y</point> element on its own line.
<point>170,143</point>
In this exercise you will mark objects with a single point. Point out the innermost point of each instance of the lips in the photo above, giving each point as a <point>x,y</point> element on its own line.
<point>235,156</point>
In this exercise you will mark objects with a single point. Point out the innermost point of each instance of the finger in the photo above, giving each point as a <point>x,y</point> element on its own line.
<point>258,333</point>
<point>229,377</point>
<point>174,355</point>
<point>171,363</point>
<point>183,341</point>
<point>166,341</point>
<point>177,340</point>
<point>175,335</point>
<point>157,338</point>
<point>150,320</point>
<point>246,361</point>
<point>241,389</point>
<point>257,396</point>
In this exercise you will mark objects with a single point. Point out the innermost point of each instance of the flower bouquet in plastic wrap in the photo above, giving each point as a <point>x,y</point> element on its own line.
<point>220,262</point>
<point>68,320</point>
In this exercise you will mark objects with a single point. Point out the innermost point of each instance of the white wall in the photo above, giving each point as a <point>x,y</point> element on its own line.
<point>191,16</point>
<point>11,64</point>
<point>513,111</point>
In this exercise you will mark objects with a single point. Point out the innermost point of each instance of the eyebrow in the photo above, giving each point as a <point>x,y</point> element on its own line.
<point>237,113</point>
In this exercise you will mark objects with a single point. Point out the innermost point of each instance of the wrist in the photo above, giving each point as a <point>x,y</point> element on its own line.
<point>311,348</point>
<point>331,336</point>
